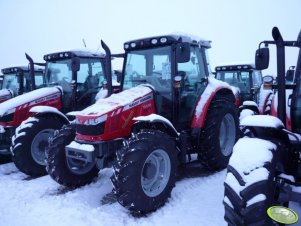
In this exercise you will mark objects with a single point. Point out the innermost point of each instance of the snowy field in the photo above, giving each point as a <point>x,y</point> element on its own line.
<point>196,200</point>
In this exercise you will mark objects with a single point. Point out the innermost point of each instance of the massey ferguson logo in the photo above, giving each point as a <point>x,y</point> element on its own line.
<point>137,102</point>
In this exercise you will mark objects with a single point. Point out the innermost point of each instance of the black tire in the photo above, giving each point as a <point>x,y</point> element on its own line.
<point>29,144</point>
<point>59,167</point>
<point>241,208</point>
<point>131,165</point>
<point>221,111</point>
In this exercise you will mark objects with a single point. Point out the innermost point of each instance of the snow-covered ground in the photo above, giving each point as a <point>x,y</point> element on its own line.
<point>196,200</point>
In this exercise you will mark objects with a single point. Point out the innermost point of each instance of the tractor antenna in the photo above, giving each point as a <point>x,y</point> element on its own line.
<point>84,43</point>
<point>99,46</point>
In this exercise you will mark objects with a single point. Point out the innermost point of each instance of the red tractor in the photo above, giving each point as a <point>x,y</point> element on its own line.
<point>17,81</point>
<point>169,109</point>
<point>20,79</point>
<point>264,172</point>
<point>73,79</point>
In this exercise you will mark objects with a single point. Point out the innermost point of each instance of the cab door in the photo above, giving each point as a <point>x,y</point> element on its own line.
<point>193,75</point>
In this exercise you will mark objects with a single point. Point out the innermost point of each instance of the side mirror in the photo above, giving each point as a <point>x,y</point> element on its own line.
<point>183,52</point>
<point>268,81</point>
<point>118,75</point>
<point>75,64</point>
<point>289,77</point>
<point>262,58</point>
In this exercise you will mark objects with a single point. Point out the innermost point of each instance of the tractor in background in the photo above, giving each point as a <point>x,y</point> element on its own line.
<point>264,171</point>
<point>73,79</point>
<point>170,110</point>
<point>20,79</point>
<point>253,99</point>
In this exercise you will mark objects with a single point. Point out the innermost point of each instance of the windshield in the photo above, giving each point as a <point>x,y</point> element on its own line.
<point>10,81</point>
<point>150,66</point>
<point>59,73</point>
<point>238,79</point>
<point>90,74</point>
<point>39,79</point>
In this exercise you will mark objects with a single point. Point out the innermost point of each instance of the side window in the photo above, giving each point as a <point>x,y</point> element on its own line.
<point>193,70</point>
<point>257,79</point>
<point>90,74</point>
<point>135,70</point>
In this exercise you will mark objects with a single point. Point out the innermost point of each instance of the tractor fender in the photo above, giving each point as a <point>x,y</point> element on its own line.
<point>200,112</point>
<point>265,127</point>
<point>154,121</point>
<point>40,111</point>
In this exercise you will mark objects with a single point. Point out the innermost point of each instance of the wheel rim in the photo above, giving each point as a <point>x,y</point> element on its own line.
<point>38,145</point>
<point>79,167</point>
<point>155,173</point>
<point>227,134</point>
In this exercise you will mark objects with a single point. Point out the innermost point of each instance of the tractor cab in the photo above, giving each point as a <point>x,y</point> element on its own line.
<point>175,66</point>
<point>18,79</point>
<point>79,74</point>
<point>243,76</point>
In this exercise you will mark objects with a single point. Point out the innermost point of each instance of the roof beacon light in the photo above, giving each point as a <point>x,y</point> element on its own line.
<point>126,46</point>
<point>133,44</point>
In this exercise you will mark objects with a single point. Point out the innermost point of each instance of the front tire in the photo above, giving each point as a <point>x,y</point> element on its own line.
<point>29,144</point>
<point>249,186</point>
<point>219,134</point>
<point>65,171</point>
<point>145,170</point>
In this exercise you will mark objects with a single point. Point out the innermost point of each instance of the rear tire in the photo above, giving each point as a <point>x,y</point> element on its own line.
<point>249,186</point>
<point>145,170</point>
<point>58,166</point>
<point>29,144</point>
<point>219,134</point>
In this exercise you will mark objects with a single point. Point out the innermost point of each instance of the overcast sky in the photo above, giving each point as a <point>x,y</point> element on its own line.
<point>235,27</point>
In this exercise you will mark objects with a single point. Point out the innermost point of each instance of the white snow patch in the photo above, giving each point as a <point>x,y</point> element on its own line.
<point>288,92</point>
<point>227,200</point>
<point>154,118</point>
<point>84,147</point>
<point>249,155</point>
<point>249,103</point>
<point>2,130</point>
<point>244,113</point>
<point>106,105</point>
<point>11,104</point>
<point>262,121</point>
<point>193,201</point>
<point>103,93</point>
<point>213,84</point>
<point>263,93</point>
<point>256,198</point>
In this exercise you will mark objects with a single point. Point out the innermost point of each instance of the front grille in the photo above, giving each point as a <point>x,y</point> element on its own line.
<point>92,130</point>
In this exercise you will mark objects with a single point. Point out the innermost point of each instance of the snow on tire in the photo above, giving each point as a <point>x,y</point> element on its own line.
<point>30,141</point>
<point>249,186</point>
<point>145,171</point>
<point>219,134</point>
<point>65,171</point>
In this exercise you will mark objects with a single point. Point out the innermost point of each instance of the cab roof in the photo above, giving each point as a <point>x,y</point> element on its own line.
<point>15,69</point>
<point>235,67</point>
<point>166,40</point>
<point>74,53</point>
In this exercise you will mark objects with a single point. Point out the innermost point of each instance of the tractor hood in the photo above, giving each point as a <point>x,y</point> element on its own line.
<point>126,99</point>
<point>5,94</point>
<point>29,100</point>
